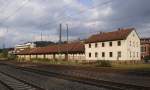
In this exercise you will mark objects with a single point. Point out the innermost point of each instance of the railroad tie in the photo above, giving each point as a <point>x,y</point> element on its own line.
<point>15,84</point>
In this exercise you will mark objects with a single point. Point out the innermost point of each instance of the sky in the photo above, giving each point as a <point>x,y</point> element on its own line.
<point>24,20</point>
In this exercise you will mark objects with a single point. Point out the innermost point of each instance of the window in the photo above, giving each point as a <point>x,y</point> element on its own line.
<point>103,44</point>
<point>130,54</point>
<point>133,35</point>
<point>119,54</point>
<point>89,45</point>
<point>89,54</point>
<point>95,44</point>
<point>133,44</point>
<point>137,44</point>
<point>119,43</point>
<point>110,54</point>
<point>130,43</point>
<point>103,54</point>
<point>133,54</point>
<point>96,54</point>
<point>110,43</point>
<point>142,49</point>
<point>137,54</point>
<point>145,49</point>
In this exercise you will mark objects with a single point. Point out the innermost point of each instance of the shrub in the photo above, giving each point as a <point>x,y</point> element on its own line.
<point>12,57</point>
<point>4,54</point>
<point>103,63</point>
<point>147,58</point>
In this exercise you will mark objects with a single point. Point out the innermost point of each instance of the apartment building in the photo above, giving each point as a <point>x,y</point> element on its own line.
<point>145,47</point>
<point>122,44</point>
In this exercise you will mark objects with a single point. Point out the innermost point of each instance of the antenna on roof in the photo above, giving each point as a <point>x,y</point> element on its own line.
<point>101,32</point>
<point>120,29</point>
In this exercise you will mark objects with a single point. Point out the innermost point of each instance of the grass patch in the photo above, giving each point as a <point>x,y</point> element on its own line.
<point>132,66</point>
<point>58,62</point>
<point>103,63</point>
<point>98,63</point>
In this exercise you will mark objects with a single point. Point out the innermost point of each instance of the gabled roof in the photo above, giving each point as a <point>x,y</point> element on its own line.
<point>120,34</point>
<point>62,48</point>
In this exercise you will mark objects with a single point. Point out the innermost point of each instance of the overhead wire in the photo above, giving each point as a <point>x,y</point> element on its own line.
<point>5,5</point>
<point>65,17</point>
<point>14,13</point>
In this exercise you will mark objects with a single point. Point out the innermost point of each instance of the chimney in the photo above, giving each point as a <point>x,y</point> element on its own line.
<point>101,32</point>
<point>119,29</point>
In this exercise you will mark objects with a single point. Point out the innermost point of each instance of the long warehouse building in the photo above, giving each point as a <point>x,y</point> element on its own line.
<point>122,44</point>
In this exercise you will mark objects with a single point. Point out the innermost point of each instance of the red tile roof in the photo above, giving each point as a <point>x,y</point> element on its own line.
<point>63,48</point>
<point>120,34</point>
<point>145,40</point>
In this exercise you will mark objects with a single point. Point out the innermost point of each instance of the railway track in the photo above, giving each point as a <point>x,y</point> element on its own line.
<point>99,83</point>
<point>13,83</point>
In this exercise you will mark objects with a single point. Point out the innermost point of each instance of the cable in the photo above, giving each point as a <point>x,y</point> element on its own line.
<point>13,14</point>
<point>64,18</point>
<point>4,6</point>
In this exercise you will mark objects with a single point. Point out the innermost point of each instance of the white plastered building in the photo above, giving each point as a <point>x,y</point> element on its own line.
<point>123,44</point>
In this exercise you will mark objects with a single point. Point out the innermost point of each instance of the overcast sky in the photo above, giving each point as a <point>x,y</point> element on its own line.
<point>24,20</point>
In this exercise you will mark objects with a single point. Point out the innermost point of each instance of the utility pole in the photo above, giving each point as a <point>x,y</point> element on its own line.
<point>60,30</point>
<point>60,27</point>
<point>41,36</point>
<point>67,42</point>
<point>67,33</point>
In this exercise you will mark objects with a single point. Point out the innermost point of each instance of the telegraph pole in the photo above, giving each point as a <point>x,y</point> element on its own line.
<point>41,36</point>
<point>67,41</point>
<point>60,41</point>
<point>60,27</point>
<point>67,33</point>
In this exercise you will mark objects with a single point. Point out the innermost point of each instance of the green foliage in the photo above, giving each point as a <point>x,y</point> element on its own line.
<point>147,58</point>
<point>43,43</point>
<point>11,57</point>
<point>4,54</point>
<point>103,63</point>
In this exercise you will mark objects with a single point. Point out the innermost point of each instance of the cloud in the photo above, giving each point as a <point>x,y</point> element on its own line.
<point>84,17</point>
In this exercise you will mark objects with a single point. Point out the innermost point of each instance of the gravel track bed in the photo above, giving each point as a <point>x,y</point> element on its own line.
<point>2,87</point>
<point>128,79</point>
<point>48,83</point>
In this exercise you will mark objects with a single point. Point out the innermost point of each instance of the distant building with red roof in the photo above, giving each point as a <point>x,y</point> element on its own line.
<point>145,47</point>
<point>63,51</point>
